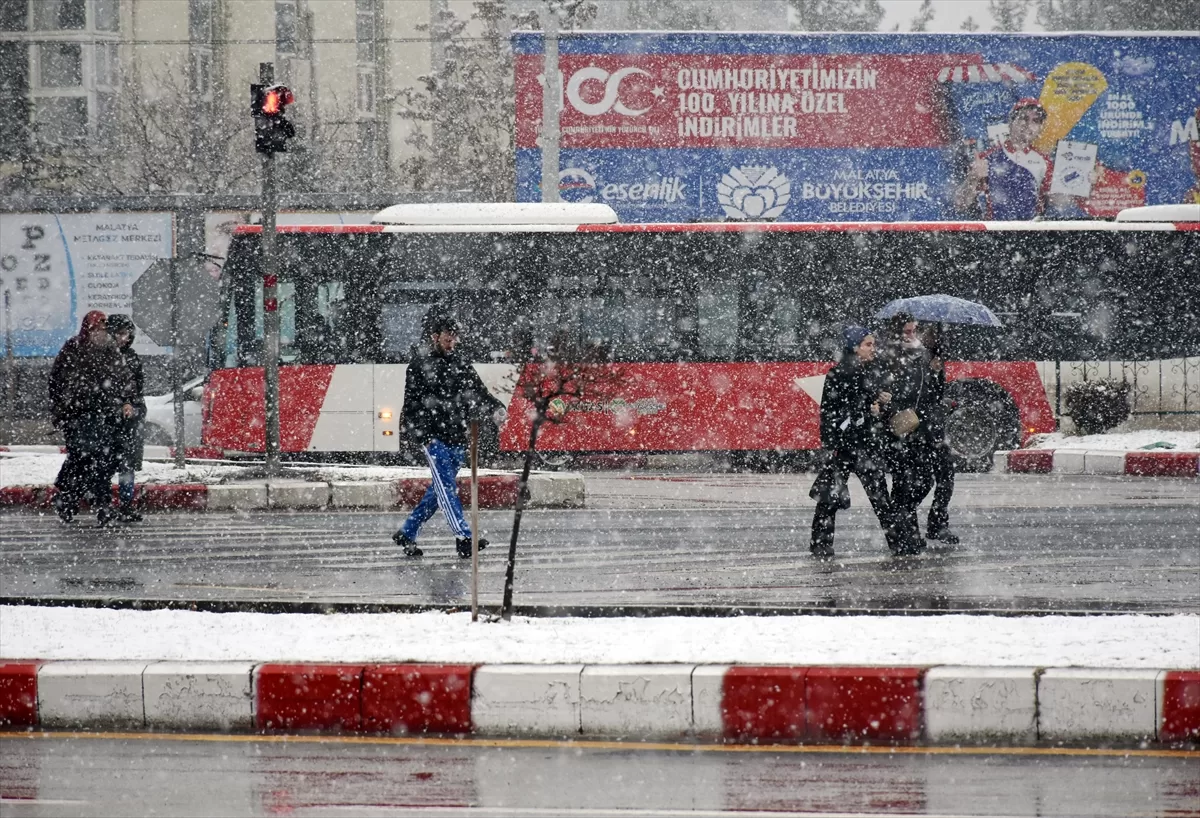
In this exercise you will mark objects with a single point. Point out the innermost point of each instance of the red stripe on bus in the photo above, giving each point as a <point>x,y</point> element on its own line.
<point>235,419</point>
<point>1188,227</point>
<point>786,227</point>
<point>255,229</point>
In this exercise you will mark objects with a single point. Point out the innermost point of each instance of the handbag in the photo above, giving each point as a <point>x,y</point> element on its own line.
<point>905,422</point>
<point>830,488</point>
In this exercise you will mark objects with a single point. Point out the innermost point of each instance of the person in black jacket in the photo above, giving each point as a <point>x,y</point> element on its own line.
<point>852,407</point>
<point>130,439</point>
<point>907,374</point>
<point>89,389</point>
<point>933,421</point>
<point>442,394</point>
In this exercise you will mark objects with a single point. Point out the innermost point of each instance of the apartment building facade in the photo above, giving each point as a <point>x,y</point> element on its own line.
<point>86,80</point>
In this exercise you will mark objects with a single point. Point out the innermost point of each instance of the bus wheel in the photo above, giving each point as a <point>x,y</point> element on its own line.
<point>983,420</point>
<point>553,461</point>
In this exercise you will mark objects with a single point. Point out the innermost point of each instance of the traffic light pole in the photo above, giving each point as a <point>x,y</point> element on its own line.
<point>551,96</point>
<point>176,376</point>
<point>270,301</point>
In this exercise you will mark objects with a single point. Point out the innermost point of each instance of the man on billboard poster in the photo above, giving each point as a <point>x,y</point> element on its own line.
<point>1012,178</point>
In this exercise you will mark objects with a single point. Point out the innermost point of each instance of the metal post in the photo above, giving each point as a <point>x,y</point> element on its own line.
<point>176,377</point>
<point>551,99</point>
<point>474,521</point>
<point>1057,392</point>
<point>10,362</point>
<point>266,75</point>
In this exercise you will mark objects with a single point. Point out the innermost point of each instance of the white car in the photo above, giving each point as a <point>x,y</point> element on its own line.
<point>160,416</point>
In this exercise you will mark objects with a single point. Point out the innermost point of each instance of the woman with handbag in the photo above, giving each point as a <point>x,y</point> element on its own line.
<point>907,373</point>
<point>851,408</point>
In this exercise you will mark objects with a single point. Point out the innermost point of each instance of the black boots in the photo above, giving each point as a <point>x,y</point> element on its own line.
<point>943,534</point>
<point>463,545</point>
<point>410,547</point>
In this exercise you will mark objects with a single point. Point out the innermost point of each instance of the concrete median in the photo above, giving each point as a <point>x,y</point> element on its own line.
<point>854,705</point>
<point>496,491</point>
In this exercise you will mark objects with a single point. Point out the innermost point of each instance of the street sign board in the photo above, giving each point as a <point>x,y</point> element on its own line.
<point>198,294</point>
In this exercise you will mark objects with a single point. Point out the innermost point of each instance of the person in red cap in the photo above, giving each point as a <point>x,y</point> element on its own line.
<point>90,387</point>
<point>1013,178</point>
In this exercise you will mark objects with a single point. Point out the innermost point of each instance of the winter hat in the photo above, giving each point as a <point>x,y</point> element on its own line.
<point>853,336</point>
<point>117,322</point>
<point>93,320</point>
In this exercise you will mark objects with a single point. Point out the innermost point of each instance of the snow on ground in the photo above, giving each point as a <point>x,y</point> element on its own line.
<point>1125,641</point>
<point>1143,440</point>
<point>24,469</point>
<point>18,469</point>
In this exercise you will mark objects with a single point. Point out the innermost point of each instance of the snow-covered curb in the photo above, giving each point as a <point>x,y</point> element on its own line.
<point>1139,463</point>
<point>1119,641</point>
<point>1142,440</point>
<point>860,679</point>
<point>26,480</point>
<point>1146,453</point>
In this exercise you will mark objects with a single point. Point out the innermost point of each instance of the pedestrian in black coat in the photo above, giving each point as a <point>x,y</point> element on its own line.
<point>852,405</point>
<point>933,415</point>
<point>906,373</point>
<point>89,395</point>
<point>130,438</point>
<point>442,395</point>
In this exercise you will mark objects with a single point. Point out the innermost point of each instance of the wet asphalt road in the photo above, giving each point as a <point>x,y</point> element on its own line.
<point>58,775</point>
<point>656,542</point>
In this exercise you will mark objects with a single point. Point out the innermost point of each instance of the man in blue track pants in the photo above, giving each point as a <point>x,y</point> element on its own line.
<point>442,394</point>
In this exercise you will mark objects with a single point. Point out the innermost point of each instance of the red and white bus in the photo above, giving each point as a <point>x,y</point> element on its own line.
<point>723,331</point>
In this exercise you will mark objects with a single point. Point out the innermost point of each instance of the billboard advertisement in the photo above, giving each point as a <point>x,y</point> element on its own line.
<point>55,268</point>
<point>865,127</point>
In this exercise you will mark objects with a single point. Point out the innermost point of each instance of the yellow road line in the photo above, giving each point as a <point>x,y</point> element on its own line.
<point>589,744</point>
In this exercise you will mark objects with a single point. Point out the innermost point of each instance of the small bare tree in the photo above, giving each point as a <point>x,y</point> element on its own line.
<point>552,383</point>
<point>160,147</point>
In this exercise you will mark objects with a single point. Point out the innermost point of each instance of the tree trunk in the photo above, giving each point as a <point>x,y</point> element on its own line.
<point>522,491</point>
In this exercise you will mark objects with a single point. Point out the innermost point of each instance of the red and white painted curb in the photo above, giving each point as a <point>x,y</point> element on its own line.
<point>497,491</point>
<point>149,453</point>
<point>1099,461</point>
<point>758,704</point>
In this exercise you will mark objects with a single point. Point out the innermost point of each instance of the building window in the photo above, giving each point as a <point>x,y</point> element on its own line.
<point>71,67</point>
<point>108,15</point>
<point>366,39</point>
<point>106,65</point>
<point>364,31</point>
<point>202,34</point>
<point>366,92</point>
<point>202,80</point>
<point>14,16</point>
<point>61,65</point>
<point>61,121</point>
<point>200,21</point>
<point>59,15</point>
<point>286,26</point>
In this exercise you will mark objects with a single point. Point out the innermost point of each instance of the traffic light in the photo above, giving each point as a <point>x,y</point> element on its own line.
<point>272,130</point>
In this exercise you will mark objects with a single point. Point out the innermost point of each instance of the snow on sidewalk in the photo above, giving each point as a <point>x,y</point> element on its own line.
<point>25,469</point>
<point>1122,641</point>
<point>1143,440</point>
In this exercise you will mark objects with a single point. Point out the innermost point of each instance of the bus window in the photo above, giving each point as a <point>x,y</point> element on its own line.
<point>400,328</point>
<point>717,322</point>
<point>770,317</point>
<point>401,310</point>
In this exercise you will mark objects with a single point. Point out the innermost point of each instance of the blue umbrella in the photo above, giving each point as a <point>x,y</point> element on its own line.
<point>942,309</point>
